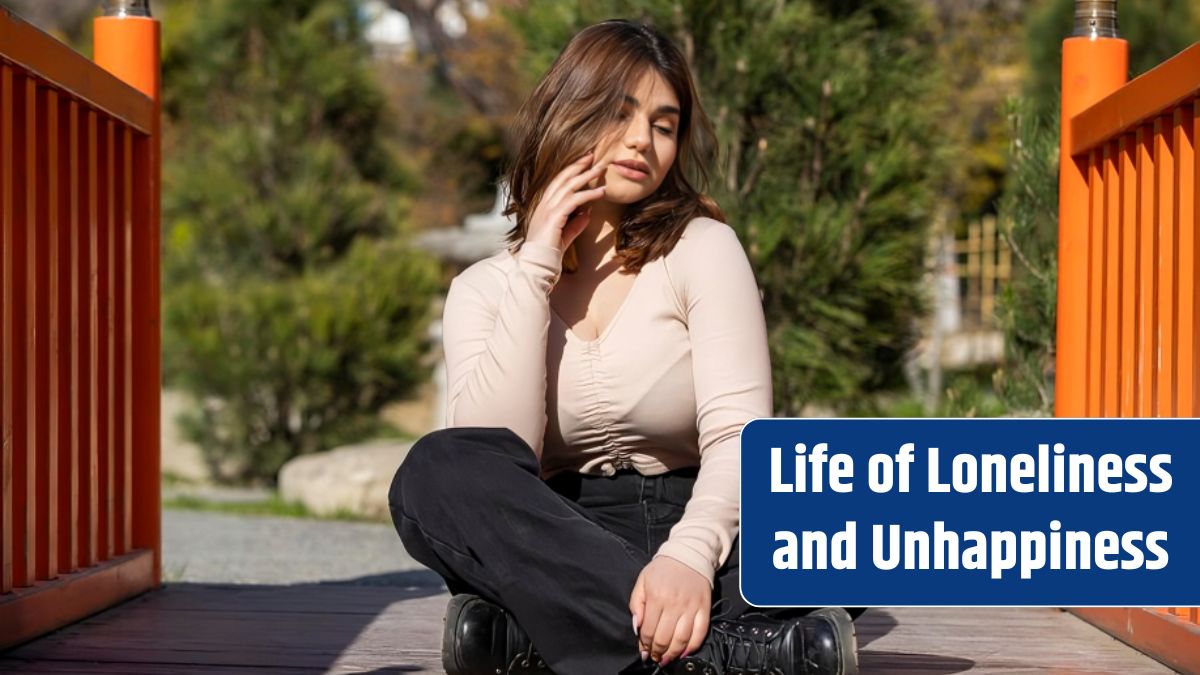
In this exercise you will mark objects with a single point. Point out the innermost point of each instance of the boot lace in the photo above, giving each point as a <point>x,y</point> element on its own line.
<point>736,648</point>
<point>742,649</point>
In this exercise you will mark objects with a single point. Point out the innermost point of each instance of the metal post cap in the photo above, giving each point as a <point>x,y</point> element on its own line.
<point>1095,19</point>
<point>126,7</point>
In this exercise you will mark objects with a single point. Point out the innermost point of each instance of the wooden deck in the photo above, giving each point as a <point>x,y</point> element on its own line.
<point>395,628</point>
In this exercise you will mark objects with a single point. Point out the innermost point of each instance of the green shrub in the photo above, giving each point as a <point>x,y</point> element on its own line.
<point>297,365</point>
<point>292,308</point>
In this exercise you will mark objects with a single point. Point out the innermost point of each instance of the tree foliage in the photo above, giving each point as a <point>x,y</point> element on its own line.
<point>827,118</point>
<point>292,308</point>
<point>1027,307</point>
<point>65,19</point>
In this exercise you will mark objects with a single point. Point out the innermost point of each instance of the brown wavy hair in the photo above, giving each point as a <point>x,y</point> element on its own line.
<point>577,101</point>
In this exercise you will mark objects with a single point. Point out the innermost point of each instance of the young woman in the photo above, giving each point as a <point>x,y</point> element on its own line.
<point>583,498</point>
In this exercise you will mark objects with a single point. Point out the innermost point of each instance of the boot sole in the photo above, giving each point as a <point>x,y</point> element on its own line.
<point>848,649</point>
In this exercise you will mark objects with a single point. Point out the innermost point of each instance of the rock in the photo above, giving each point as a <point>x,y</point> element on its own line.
<point>181,459</point>
<point>418,414</point>
<point>353,478</point>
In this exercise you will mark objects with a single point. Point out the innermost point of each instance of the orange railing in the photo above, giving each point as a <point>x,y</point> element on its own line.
<point>1136,151</point>
<point>79,315</point>
<point>1128,315</point>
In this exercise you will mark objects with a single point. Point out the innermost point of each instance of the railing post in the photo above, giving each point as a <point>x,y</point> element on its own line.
<point>128,45</point>
<point>1095,62</point>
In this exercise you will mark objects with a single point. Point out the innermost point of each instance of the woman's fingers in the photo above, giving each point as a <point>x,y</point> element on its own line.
<point>650,619</point>
<point>637,603</point>
<point>664,633</point>
<point>558,214</point>
<point>681,638</point>
<point>677,605</point>
<point>581,181</point>
<point>577,181</point>
<point>574,223</point>
<point>699,631</point>
<point>571,170</point>
<point>582,197</point>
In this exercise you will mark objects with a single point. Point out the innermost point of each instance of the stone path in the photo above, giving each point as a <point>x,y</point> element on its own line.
<point>218,548</point>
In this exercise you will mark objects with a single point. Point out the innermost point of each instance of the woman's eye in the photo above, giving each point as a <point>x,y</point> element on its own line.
<point>666,131</point>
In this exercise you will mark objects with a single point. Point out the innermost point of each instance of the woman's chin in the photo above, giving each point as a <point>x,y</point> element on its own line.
<point>620,194</point>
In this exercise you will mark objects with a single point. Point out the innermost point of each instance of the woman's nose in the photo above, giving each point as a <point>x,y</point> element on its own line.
<point>637,136</point>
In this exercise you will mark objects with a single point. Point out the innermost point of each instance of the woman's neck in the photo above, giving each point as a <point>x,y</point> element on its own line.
<point>598,241</point>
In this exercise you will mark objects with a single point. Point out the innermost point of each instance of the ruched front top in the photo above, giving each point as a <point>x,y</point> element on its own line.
<point>669,383</point>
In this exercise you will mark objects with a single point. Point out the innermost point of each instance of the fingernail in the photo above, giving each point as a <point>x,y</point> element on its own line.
<point>645,654</point>
<point>664,661</point>
<point>635,624</point>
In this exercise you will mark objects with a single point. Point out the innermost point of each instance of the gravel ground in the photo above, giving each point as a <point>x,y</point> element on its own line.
<point>219,548</point>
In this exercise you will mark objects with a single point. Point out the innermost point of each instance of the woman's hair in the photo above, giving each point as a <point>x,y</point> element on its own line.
<point>578,101</point>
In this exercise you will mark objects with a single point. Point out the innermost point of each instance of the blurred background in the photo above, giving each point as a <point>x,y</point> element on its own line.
<point>329,166</point>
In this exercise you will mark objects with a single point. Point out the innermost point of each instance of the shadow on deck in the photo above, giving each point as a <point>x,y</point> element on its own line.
<point>392,623</point>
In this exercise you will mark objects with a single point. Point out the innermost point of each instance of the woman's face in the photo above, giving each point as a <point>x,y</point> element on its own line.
<point>641,148</point>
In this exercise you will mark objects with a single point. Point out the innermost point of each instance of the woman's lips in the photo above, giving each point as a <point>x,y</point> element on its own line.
<point>630,173</point>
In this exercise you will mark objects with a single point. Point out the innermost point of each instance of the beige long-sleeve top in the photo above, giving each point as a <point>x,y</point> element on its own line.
<point>681,367</point>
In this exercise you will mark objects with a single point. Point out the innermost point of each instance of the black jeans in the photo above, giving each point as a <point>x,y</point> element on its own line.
<point>561,555</point>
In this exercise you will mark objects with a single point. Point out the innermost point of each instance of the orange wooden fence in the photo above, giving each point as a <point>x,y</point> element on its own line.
<point>79,317</point>
<point>1129,311</point>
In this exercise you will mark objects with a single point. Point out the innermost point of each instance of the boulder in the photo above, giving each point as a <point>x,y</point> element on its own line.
<point>182,461</point>
<point>353,478</point>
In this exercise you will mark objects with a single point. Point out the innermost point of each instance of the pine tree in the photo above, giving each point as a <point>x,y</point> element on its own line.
<point>292,308</point>
<point>827,117</point>
<point>1027,307</point>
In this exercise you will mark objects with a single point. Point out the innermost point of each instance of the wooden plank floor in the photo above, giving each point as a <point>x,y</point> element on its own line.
<point>339,628</point>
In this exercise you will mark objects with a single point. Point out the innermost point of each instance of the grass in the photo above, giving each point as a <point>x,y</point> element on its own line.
<point>967,394</point>
<point>272,506</point>
<point>172,479</point>
<point>174,573</point>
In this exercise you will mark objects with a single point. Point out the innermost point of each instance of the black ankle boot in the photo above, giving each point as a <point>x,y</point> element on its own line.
<point>481,638</point>
<point>820,643</point>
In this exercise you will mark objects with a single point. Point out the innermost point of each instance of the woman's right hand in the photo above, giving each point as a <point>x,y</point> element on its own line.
<point>564,210</point>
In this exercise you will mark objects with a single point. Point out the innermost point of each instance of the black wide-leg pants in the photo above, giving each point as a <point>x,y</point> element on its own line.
<point>561,555</point>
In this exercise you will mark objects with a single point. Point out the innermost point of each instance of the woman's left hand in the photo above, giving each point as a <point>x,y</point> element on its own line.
<point>670,606</point>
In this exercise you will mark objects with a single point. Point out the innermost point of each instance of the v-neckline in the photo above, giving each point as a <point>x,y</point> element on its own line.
<point>611,322</point>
